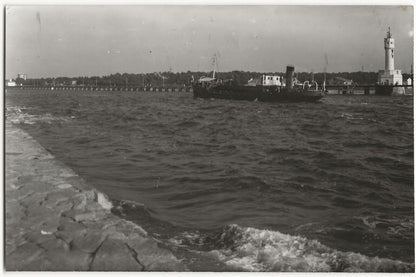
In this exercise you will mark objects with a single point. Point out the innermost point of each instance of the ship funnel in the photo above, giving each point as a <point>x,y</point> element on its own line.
<point>289,76</point>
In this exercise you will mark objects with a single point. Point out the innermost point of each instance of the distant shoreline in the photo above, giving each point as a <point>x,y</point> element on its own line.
<point>180,79</point>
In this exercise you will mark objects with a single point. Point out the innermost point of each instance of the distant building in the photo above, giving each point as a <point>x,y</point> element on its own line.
<point>254,82</point>
<point>409,81</point>
<point>389,76</point>
<point>338,81</point>
<point>22,76</point>
<point>11,83</point>
<point>74,83</point>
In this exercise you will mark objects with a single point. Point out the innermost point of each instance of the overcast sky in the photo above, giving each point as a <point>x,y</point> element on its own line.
<point>52,41</point>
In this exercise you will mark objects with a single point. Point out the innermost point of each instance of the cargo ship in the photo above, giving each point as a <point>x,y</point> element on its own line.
<point>211,87</point>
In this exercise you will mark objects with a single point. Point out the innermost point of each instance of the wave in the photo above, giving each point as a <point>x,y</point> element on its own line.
<point>104,201</point>
<point>396,226</point>
<point>17,115</point>
<point>251,249</point>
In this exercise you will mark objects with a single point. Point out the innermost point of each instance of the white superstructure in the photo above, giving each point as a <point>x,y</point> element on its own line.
<point>271,80</point>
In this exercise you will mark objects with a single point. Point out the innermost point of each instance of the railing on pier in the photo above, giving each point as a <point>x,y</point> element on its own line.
<point>330,89</point>
<point>358,89</point>
<point>104,88</point>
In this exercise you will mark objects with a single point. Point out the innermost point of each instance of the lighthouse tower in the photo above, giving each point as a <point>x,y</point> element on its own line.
<point>389,76</point>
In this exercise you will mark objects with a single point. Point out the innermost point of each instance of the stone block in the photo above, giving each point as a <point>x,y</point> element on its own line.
<point>11,175</point>
<point>114,255</point>
<point>128,228</point>
<point>37,237</point>
<point>89,242</point>
<point>51,224</point>
<point>13,241</point>
<point>68,224</point>
<point>85,216</point>
<point>154,258</point>
<point>94,206</point>
<point>80,201</point>
<point>68,229</point>
<point>40,263</point>
<point>63,207</point>
<point>33,199</point>
<point>64,186</point>
<point>38,211</point>
<point>73,260</point>
<point>14,213</point>
<point>22,256</point>
<point>90,216</point>
<point>55,197</point>
<point>55,244</point>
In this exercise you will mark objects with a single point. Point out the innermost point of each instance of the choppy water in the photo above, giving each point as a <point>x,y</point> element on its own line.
<point>235,185</point>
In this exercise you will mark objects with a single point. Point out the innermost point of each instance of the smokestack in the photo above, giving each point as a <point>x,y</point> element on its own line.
<point>289,76</point>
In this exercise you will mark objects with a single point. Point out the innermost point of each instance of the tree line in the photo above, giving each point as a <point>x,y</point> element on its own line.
<point>183,79</point>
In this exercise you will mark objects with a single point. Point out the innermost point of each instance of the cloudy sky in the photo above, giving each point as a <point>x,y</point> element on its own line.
<point>52,41</point>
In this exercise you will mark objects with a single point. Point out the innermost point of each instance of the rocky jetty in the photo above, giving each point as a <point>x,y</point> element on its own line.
<point>55,222</point>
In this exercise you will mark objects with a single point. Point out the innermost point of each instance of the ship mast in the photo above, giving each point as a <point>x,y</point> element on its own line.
<point>326,65</point>
<point>214,63</point>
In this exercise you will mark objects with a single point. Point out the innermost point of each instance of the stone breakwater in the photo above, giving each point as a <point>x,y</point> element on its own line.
<point>53,221</point>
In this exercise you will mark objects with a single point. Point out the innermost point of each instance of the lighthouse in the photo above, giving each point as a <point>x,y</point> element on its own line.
<point>389,76</point>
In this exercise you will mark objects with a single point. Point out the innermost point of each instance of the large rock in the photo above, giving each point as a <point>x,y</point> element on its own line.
<point>89,242</point>
<point>154,258</point>
<point>23,255</point>
<point>114,255</point>
<point>74,260</point>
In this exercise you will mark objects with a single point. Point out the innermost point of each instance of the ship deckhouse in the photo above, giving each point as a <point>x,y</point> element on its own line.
<point>271,80</point>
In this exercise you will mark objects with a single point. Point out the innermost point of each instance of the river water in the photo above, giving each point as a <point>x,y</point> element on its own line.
<point>236,185</point>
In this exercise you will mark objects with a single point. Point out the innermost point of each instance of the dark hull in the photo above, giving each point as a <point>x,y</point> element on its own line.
<point>390,90</point>
<point>384,90</point>
<point>259,93</point>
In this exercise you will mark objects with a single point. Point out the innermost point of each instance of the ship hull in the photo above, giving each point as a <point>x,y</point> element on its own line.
<point>257,93</point>
<point>389,90</point>
<point>384,90</point>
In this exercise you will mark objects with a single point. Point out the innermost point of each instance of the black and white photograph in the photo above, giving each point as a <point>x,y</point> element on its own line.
<point>208,137</point>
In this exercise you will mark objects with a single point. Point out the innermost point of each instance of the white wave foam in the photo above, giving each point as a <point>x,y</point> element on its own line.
<point>264,250</point>
<point>16,115</point>
<point>103,200</point>
<point>131,203</point>
<point>401,226</point>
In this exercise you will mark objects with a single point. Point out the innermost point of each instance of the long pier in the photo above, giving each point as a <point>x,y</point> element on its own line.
<point>332,89</point>
<point>104,88</point>
<point>359,89</point>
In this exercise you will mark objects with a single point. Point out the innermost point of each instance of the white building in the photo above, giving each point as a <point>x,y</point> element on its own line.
<point>271,80</point>
<point>389,76</point>
<point>22,76</point>
<point>11,83</point>
<point>340,81</point>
